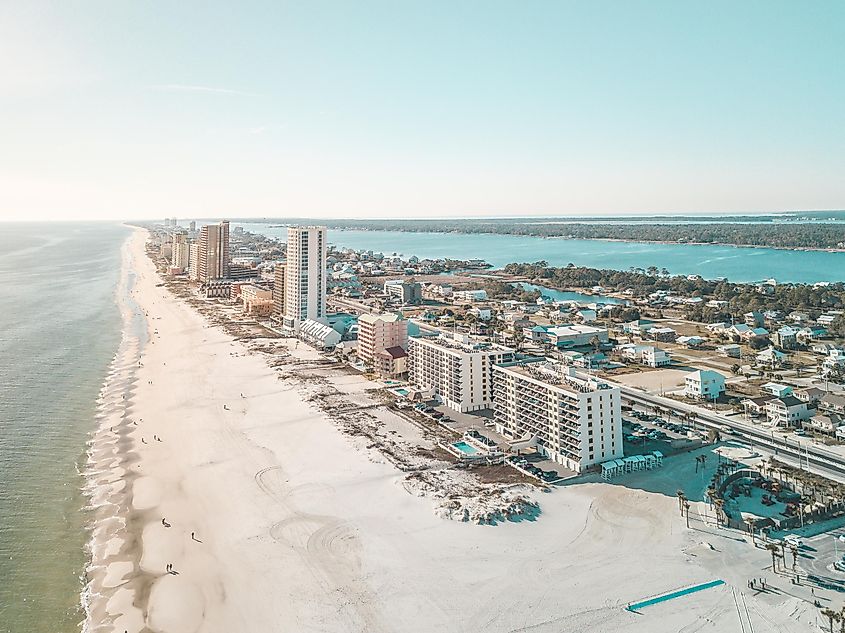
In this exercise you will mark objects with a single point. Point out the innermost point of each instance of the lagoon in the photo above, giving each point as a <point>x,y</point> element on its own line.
<point>740,264</point>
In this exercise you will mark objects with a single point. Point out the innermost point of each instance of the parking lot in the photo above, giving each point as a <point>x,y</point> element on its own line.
<point>643,432</point>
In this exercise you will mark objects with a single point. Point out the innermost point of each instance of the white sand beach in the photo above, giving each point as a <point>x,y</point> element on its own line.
<point>298,526</point>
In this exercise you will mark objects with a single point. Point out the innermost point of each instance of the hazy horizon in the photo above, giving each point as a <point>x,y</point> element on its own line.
<point>430,110</point>
<point>570,216</point>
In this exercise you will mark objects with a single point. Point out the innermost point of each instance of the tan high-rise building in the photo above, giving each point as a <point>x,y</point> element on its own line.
<point>181,253</point>
<point>279,291</point>
<point>305,276</point>
<point>213,254</point>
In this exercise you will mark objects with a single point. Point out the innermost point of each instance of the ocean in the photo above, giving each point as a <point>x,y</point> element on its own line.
<point>59,329</point>
<point>741,264</point>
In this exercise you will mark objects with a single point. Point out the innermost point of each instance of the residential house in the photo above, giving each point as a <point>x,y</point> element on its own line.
<point>785,337</point>
<point>787,411</point>
<point>833,403</point>
<point>776,389</point>
<point>770,358</point>
<point>691,341</point>
<point>645,355</point>
<point>827,423</point>
<point>704,384</point>
<point>663,334</point>
<point>754,319</point>
<point>731,350</point>
<point>638,328</point>
<point>755,407</point>
<point>810,395</point>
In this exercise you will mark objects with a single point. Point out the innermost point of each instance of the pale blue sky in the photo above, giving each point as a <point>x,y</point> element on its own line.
<point>117,109</point>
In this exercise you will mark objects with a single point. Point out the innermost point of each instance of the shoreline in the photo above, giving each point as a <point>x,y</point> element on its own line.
<point>819,249</point>
<point>110,455</point>
<point>288,505</point>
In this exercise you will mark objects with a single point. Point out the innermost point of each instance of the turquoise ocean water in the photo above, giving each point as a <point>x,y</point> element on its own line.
<point>59,329</point>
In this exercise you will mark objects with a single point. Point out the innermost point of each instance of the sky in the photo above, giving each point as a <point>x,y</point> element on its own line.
<point>461,108</point>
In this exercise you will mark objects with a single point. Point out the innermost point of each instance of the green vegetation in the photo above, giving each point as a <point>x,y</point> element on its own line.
<point>740,230</point>
<point>740,298</point>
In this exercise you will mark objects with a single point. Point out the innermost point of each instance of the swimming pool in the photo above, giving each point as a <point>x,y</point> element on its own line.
<point>465,448</point>
<point>401,391</point>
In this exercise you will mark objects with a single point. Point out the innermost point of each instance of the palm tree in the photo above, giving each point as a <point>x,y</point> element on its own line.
<point>831,615</point>
<point>681,497</point>
<point>719,503</point>
<point>711,495</point>
<point>773,548</point>
<point>686,511</point>
<point>751,523</point>
<point>794,551</point>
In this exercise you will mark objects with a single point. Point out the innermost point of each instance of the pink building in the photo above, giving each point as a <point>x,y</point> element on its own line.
<point>379,332</point>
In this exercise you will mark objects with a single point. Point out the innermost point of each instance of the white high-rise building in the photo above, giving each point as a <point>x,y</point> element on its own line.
<point>574,420</point>
<point>305,276</point>
<point>459,371</point>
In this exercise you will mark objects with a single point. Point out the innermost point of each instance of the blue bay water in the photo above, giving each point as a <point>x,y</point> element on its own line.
<point>59,329</point>
<point>735,263</point>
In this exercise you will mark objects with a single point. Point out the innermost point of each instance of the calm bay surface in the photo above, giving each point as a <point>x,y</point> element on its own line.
<point>741,264</point>
<point>59,329</point>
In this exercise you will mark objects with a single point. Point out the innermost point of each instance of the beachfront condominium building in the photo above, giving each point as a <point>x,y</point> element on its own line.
<point>181,250</point>
<point>378,332</point>
<point>194,261</point>
<point>457,370</point>
<point>305,276</point>
<point>574,420</point>
<point>213,252</point>
<point>279,291</point>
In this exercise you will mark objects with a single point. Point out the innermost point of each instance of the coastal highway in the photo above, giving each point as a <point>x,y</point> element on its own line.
<point>806,454</point>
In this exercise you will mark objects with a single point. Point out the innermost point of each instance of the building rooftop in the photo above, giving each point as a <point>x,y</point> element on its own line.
<point>389,317</point>
<point>464,344</point>
<point>557,375</point>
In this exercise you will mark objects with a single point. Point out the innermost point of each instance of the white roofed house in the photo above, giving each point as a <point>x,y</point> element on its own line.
<point>318,334</point>
<point>834,363</point>
<point>704,384</point>
<point>575,335</point>
<point>690,341</point>
<point>645,354</point>
<point>787,411</point>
